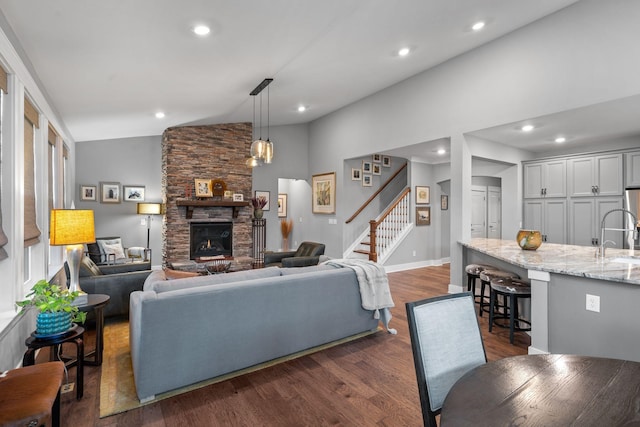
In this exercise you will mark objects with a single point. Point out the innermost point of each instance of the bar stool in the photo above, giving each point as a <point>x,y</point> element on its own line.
<point>473,272</point>
<point>31,395</point>
<point>514,290</point>
<point>485,279</point>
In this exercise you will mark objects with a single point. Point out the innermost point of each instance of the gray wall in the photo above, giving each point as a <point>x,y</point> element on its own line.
<point>129,161</point>
<point>551,65</point>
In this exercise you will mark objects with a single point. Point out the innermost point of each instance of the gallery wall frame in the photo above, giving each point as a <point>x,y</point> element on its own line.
<point>282,205</point>
<point>367,180</point>
<point>422,195</point>
<point>109,192</point>
<point>323,193</point>
<point>377,158</point>
<point>133,193</point>
<point>267,196</point>
<point>386,161</point>
<point>423,215</point>
<point>88,193</point>
<point>356,174</point>
<point>377,169</point>
<point>366,166</point>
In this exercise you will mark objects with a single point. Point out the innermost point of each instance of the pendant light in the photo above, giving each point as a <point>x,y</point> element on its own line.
<point>261,150</point>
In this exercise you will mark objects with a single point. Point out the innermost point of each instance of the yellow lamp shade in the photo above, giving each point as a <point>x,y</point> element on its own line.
<point>150,208</point>
<point>71,227</point>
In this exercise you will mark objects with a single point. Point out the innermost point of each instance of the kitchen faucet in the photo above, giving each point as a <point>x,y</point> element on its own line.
<point>602,246</point>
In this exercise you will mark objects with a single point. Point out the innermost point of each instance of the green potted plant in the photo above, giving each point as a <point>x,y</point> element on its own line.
<point>56,312</point>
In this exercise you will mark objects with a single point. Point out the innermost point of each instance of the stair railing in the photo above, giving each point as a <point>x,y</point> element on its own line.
<point>384,230</point>
<point>374,195</point>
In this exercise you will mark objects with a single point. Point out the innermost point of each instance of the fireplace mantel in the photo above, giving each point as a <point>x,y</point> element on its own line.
<point>192,204</point>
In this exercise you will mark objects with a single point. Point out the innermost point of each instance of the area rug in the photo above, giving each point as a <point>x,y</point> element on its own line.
<point>118,391</point>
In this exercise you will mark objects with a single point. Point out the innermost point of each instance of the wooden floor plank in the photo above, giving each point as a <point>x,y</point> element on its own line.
<point>370,381</point>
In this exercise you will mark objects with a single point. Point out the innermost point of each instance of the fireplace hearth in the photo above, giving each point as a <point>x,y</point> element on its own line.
<point>210,239</point>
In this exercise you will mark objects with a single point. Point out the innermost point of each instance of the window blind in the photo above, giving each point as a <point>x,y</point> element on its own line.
<point>31,230</point>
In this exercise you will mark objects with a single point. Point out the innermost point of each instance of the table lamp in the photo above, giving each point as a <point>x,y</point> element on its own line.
<point>73,228</point>
<point>149,209</point>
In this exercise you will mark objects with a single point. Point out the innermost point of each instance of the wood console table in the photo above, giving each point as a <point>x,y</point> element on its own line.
<point>192,204</point>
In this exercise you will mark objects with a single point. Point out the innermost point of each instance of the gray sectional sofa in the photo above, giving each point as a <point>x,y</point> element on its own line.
<point>184,331</point>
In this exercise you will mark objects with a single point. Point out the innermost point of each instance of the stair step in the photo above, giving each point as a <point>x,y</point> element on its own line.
<point>359,251</point>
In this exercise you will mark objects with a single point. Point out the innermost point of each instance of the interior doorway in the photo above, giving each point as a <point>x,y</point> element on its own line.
<point>486,210</point>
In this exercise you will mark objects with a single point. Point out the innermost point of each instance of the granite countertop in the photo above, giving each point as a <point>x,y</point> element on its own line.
<point>564,259</point>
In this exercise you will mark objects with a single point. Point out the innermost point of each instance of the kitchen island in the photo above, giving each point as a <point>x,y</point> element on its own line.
<point>561,278</point>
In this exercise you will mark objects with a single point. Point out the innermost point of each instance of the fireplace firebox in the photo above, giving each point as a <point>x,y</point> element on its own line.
<point>210,239</point>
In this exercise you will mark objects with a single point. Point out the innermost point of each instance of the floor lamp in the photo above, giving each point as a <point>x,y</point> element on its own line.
<point>73,228</point>
<point>149,209</point>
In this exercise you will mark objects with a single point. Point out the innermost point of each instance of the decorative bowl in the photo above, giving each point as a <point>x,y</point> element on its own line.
<point>529,240</point>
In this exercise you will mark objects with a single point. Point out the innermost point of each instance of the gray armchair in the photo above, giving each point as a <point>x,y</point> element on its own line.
<point>308,253</point>
<point>117,281</point>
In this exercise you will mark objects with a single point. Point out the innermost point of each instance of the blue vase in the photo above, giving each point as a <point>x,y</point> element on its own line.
<point>53,323</point>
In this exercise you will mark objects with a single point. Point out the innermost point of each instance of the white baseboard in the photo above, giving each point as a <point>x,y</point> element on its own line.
<point>533,350</point>
<point>414,265</point>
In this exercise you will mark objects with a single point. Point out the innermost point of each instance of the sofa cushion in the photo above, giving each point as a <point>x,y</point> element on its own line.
<point>171,274</point>
<point>308,269</point>
<point>89,268</point>
<point>159,286</point>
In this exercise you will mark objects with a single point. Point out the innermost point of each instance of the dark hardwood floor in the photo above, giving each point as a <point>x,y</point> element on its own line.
<point>367,382</point>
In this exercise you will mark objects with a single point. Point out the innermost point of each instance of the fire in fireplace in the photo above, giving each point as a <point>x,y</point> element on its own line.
<point>210,238</point>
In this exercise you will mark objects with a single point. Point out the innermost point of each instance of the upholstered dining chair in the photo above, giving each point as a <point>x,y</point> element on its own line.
<point>446,343</point>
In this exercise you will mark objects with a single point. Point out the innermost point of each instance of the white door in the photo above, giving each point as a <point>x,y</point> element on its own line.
<point>494,208</point>
<point>478,211</point>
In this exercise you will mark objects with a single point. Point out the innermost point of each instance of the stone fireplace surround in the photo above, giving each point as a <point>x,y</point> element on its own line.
<point>205,152</point>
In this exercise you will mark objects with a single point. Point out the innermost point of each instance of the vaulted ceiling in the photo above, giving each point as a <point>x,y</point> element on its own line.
<point>109,66</point>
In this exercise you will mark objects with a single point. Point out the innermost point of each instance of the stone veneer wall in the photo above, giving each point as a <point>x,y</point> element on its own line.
<point>205,152</point>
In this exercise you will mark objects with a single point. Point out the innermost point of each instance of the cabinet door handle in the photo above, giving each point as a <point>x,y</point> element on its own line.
<point>597,189</point>
<point>593,189</point>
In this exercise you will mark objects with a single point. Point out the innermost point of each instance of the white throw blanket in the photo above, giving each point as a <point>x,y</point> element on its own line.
<point>374,287</point>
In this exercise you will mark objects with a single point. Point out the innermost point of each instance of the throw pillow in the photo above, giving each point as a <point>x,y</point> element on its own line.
<point>177,274</point>
<point>112,246</point>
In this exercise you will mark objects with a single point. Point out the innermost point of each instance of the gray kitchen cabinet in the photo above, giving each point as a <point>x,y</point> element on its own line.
<point>633,169</point>
<point>549,216</point>
<point>595,175</point>
<point>545,179</point>
<point>585,217</point>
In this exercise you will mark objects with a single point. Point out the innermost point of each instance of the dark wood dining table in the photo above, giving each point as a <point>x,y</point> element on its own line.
<point>546,390</point>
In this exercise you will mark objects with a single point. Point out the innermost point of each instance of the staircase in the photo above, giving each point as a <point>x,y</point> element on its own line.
<point>386,232</point>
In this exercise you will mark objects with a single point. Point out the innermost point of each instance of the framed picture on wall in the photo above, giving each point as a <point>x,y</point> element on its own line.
<point>110,192</point>
<point>377,158</point>
<point>323,187</point>
<point>377,170</point>
<point>386,161</point>
<point>366,167</point>
<point>444,202</point>
<point>422,195</point>
<point>356,174</point>
<point>266,196</point>
<point>133,193</point>
<point>282,205</point>
<point>88,193</point>
<point>423,215</point>
<point>366,180</point>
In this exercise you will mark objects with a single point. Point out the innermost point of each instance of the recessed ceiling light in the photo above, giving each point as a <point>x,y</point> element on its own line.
<point>441,151</point>
<point>159,115</point>
<point>560,139</point>
<point>404,51</point>
<point>477,26</point>
<point>201,30</point>
<point>527,128</point>
<point>302,109</point>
